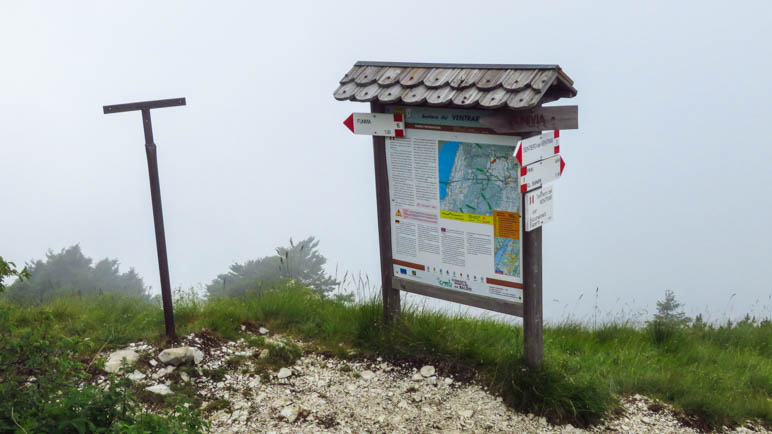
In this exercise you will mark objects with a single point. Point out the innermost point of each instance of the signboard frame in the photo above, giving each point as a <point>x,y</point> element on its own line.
<point>393,284</point>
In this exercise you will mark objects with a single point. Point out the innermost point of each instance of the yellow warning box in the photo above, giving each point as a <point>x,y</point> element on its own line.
<point>464,217</point>
<point>506,224</point>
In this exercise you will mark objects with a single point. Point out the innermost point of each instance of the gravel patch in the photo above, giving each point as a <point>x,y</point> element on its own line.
<point>323,394</point>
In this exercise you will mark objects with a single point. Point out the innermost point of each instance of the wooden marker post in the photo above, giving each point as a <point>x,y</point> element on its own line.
<point>391,299</point>
<point>155,195</point>
<point>533,334</point>
<point>533,314</point>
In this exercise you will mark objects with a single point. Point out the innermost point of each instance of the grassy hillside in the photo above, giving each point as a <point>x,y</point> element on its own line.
<point>718,375</point>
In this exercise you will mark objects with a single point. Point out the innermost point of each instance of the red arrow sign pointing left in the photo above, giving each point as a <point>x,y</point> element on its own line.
<point>376,124</point>
<point>349,122</point>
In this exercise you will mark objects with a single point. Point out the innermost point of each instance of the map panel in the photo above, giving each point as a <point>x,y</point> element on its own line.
<point>477,178</point>
<point>507,256</point>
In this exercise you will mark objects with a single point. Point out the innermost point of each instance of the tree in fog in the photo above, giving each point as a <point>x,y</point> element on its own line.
<point>300,262</point>
<point>8,269</point>
<point>69,272</point>
<point>669,311</point>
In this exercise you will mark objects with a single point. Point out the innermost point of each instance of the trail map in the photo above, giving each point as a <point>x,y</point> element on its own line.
<point>477,178</point>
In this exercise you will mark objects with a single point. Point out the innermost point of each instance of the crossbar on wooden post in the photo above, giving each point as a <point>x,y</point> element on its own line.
<point>390,295</point>
<point>155,195</point>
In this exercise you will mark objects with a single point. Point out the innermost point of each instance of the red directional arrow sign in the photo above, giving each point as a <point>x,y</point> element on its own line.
<point>537,148</point>
<point>541,173</point>
<point>376,124</point>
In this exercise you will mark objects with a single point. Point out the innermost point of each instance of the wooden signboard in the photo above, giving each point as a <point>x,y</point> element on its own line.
<point>451,207</point>
<point>454,211</point>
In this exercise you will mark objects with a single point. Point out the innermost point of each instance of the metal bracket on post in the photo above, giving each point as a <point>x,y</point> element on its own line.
<point>155,194</point>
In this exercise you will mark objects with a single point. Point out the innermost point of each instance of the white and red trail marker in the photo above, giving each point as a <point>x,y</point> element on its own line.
<point>376,124</point>
<point>541,173</point>
<point>538,207</point>
<point>538,148</point>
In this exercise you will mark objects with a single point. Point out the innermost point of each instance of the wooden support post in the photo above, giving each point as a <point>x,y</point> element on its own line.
<point>391,296</point>
<point>533,334</point>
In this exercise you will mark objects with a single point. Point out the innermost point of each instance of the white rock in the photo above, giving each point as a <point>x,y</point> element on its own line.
<point>180,355</point>
<point>136,376</point>
<point>448,381</point>
<point>368,375</point>
<point>243,327</point>
<point>162,372</point>
<point>198,355</point>
<point>184,377</point>
<point>284,373</point>
<point>466,413</point>
<point>153,363</point>
<point>427,371</point>
<point>417,377</point>
<point>290,413</point>
<point>160,389</point>
<point>263,331</point>
<point>116,360</point>
<point>175,356</point>
<point>264,354</point>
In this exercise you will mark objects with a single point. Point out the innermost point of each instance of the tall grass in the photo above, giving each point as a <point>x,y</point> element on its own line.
<point>720,374</point>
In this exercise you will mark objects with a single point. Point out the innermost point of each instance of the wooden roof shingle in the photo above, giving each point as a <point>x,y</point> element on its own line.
<point>486,86</point>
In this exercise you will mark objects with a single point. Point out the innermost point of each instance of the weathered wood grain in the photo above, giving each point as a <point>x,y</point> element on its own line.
<point>538,118</point>
<point>494,304</point>
<point>467,97</point>
<point>416,95</point>
<point>369,75</point>
<point>440,96</point>
<point>519,79</point>
<point>346,91</point>
<point>544,79</point>
<point>439,77</point>
<point>368,93</point>
<point>391,94</point>
<point>391,300</point>
<point>494,99</point>
<point>390,76</point>
<point>414,77</point>
<point>533,332</point>
<point>352,74</point>
<point>491,79</point>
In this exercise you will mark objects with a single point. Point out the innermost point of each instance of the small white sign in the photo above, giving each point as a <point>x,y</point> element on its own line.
<point>541,173</point>
<point>538,207</point>
<point>376,124</point>
<point>538,148</point>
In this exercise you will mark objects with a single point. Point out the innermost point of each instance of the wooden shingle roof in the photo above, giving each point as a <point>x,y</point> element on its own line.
<point>455,85</point>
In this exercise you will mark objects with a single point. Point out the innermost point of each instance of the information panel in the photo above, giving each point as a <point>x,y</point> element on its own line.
<point>456,212</point>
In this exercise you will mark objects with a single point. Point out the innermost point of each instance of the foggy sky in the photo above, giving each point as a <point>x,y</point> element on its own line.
<point>667,182</point>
